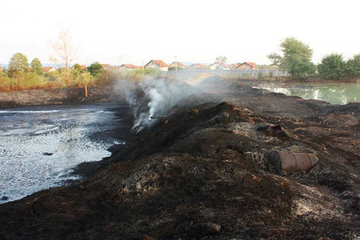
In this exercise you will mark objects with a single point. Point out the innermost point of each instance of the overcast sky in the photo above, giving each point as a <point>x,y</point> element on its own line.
<point>193,30</point>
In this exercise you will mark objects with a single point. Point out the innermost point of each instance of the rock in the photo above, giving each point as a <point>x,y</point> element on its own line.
<point>4,198</point>
<point>210,228</point>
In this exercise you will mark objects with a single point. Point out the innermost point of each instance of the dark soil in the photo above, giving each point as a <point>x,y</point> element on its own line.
<point>202,173</point>
<point>40,97</point>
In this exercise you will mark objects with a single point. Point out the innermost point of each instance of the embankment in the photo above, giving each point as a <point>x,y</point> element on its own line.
<point>57,96</point>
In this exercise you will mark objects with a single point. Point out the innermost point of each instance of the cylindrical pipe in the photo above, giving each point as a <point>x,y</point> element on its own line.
<point>292,162</point>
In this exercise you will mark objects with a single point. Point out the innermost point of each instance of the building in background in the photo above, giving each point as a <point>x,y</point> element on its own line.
<point>49,69</point>
<point>157,64</point>
<point>219,66</point>
<point>198,66</point>
<point>107,66</point>
<point>129,67</point>
<point>177,65</point>
<point>246,65</point>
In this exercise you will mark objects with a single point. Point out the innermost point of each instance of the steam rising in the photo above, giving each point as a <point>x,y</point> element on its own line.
<point>154,98</point>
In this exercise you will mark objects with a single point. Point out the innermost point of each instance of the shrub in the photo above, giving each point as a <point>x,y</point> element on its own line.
<point>353,66</point>
<point>95,69</point>
<point>332,67</point>
<point>271,74</point>
<point>5,82</point>
<point>81,80</point>
<point>106,77</point>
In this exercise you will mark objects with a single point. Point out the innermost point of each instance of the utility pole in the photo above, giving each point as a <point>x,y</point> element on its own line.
<point>119,60</point>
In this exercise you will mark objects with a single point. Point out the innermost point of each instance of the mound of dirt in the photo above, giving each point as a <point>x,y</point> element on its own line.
<point>203,173</point>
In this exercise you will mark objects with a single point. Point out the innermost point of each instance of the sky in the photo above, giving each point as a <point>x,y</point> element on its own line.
<point>118,32</point>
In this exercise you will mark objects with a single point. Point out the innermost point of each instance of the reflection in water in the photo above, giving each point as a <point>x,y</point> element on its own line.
<point>335,93</point>
<point>40,146</point>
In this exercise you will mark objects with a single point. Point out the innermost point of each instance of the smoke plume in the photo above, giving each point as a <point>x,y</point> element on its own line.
<point>152,99</point>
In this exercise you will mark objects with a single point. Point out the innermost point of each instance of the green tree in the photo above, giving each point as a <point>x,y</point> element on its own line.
<point>76,69</point>
<point>221,59</point>
<point>295,58</point>
<point>332,67</point>
<point>95,69</point>
<point>353,66</point>
<point>36,66</point>
<point>18,63</point>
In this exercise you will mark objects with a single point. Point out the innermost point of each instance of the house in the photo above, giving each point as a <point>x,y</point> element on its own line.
<point>234,65</point>
<point>219,66</point>
<point>106,66</point>
<point>246,65</point>
<point>49,69</point>
<point>129,67</point>
<point>177,65</point>
<point>198,66</point>
<point>83,68</point>
<point>157,64</point>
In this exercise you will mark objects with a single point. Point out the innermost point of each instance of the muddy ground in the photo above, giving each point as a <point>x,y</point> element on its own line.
<point>203,173</point>
<point>38,97</point>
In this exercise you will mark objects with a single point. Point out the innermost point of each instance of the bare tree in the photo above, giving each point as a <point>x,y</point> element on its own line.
<point>221,59</point>
<point>65,50</point>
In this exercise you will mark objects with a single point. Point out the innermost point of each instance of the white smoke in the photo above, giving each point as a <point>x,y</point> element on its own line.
<point>156,102</point>
<point>153,98</point>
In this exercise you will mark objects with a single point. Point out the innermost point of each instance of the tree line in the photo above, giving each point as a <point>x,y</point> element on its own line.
<point>295,58</point>
<point>19,64</point>
<point>21,75</point>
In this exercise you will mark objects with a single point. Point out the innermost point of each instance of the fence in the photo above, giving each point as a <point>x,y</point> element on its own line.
<point>246,73</point>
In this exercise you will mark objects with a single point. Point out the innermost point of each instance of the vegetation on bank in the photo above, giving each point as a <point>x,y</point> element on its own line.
<point>20,76</point>
<point>295,58</point>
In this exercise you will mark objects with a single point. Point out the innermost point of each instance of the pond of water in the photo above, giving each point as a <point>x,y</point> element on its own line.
<point>335,93</point>
<point>39,146</point>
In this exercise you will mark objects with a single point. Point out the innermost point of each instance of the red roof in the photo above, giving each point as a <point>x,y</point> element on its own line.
<point>198,65</point>
<point>234,65</point>
<point>106,66</point>
<point>160,63</point>
<point>129,66</point>
<point>179,64</point>
<point>251,64</point>
<point>47,69</point>
<point>83,67</point>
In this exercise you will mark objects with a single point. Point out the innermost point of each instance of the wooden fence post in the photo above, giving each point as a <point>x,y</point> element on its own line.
<point>86,92</point>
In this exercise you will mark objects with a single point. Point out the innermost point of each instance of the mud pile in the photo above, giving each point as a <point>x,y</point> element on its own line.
<point>203,173</point>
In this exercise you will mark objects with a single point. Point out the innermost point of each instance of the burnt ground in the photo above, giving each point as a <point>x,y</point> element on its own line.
<point>202,173</point>
<point>40,97</point>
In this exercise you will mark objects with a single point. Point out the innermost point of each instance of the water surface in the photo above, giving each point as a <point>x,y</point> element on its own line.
<point>334,93</point>
<point>40,146</point>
